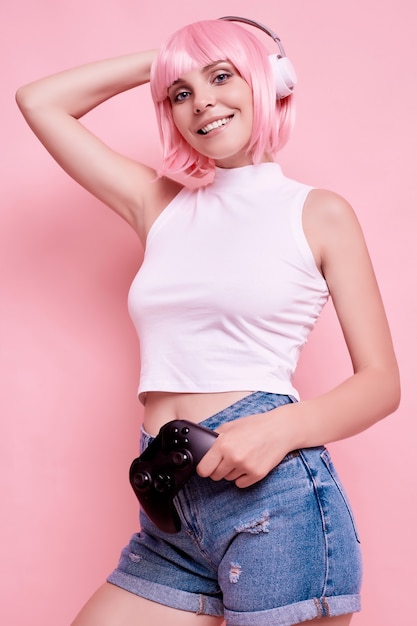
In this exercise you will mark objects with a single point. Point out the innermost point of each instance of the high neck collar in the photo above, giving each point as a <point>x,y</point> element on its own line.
<point>246,175</point>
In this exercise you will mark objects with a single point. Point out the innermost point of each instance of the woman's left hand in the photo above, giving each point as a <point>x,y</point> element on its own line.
<point>248,448</point>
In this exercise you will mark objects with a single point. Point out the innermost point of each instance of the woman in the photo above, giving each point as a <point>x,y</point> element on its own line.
<point>234,277</point>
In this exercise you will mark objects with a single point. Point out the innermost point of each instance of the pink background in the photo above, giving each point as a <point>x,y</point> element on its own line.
<point>69,355</point>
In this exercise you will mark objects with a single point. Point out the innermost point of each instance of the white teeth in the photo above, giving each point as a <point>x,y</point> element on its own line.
<point>213,125</point>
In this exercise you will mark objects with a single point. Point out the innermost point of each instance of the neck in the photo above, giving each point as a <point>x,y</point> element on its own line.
<point>241,161</point>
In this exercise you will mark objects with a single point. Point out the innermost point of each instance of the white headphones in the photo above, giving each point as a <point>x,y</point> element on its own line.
<point>285,76</point>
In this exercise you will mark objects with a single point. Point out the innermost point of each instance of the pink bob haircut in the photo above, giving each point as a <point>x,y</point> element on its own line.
<point>201,44</point>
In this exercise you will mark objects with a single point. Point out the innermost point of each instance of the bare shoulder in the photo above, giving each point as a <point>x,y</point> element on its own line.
<point>328,208</point>
<point>329,222</point>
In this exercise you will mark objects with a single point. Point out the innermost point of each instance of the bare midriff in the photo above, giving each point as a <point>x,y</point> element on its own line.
<point>162,407</point>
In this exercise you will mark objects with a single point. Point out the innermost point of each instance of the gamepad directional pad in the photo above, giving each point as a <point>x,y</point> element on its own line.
<point>159,473</point>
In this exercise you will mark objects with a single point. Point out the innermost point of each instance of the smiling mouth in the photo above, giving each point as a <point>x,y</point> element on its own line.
<point>213,125</point>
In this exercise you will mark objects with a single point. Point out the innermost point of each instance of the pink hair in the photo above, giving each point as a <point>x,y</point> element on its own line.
<point>198,45</point>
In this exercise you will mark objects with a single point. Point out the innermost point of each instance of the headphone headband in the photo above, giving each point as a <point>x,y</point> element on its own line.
<point>283,70</point>
<point>268,31</point>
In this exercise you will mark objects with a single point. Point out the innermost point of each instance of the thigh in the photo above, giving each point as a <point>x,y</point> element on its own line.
<point>113,606</point>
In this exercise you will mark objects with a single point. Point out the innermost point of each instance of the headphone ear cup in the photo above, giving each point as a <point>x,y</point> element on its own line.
<point>284,74</point>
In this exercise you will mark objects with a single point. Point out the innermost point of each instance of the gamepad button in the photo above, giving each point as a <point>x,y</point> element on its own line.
<point>163,483</point>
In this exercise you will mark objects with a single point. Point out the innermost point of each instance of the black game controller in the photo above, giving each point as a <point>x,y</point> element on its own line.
<point>164,467</point>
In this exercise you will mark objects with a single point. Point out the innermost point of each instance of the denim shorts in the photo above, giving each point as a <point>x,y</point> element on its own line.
<point>280,552</point>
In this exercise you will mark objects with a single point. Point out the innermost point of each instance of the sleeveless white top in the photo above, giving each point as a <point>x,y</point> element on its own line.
<point>228,290</point>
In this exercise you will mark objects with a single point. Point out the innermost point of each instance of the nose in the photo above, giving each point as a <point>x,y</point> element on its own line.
<point>203,99</point>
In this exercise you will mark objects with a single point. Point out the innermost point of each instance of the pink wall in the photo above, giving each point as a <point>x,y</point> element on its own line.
<point>69,355</point>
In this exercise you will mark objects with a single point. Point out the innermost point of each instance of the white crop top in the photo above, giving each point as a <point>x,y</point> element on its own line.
<point>228,290</point>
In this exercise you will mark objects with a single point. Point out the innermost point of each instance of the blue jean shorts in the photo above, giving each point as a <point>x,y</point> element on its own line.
<point>280,552</point>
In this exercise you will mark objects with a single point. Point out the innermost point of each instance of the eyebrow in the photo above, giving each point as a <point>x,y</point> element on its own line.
<point>206,68</point>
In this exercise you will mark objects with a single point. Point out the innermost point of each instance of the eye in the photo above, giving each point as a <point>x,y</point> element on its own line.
<point>180,96</point>
<point>222,77</point>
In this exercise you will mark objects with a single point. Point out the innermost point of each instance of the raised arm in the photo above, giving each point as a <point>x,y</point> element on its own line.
<point>52,107</point>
